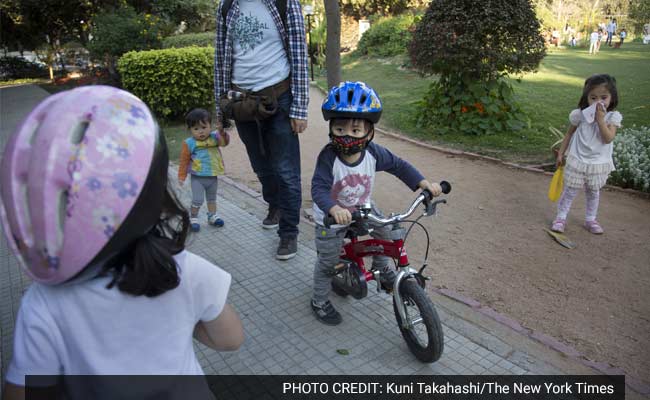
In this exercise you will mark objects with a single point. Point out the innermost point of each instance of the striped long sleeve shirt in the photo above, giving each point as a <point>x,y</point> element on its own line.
<point>294,43</point>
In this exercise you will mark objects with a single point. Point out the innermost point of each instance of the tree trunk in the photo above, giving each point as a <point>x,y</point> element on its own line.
<point>333,51</point>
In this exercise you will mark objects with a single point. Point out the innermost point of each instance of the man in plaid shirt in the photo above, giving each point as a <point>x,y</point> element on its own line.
<point>256,51</point>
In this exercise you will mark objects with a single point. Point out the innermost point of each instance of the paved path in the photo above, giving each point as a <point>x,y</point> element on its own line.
<point>272,297</point>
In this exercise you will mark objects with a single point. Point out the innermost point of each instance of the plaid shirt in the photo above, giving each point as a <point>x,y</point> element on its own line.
<point>295,46</point>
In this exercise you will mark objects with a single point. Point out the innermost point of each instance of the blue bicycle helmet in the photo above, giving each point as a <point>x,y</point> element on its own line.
<point>352,100</point>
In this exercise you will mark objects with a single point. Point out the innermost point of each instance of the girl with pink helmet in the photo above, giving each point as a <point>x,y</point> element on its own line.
<point>87,210</point>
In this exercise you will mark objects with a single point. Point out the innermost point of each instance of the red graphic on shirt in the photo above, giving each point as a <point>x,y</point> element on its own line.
<point>352,190</point>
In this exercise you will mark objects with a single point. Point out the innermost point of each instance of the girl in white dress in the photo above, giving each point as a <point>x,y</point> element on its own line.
<point>589,142</point>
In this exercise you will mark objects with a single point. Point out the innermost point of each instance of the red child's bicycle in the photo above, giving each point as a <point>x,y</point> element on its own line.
<point>416,316</point>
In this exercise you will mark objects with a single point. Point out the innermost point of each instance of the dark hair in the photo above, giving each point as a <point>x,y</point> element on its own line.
<point>597,80</point>
<point>196,116</point>
<point>140,254</point>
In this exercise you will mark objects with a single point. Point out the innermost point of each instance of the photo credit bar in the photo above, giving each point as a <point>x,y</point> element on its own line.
<point>348,387</point>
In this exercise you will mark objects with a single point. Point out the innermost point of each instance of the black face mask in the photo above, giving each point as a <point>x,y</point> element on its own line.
<point>349,145</point>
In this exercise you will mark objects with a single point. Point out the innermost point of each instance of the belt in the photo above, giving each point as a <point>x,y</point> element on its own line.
<point>271,91</point>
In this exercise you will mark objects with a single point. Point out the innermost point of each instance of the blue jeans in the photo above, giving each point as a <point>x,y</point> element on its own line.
<point>278,168</point>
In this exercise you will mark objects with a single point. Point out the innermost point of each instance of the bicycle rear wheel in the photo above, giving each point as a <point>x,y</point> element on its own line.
<point>425,339</point>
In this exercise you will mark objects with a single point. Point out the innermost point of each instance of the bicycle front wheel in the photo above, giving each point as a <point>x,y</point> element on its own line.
<point>425,338</point>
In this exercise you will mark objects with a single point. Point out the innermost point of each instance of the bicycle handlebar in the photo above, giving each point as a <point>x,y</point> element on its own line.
<point>424,197</point>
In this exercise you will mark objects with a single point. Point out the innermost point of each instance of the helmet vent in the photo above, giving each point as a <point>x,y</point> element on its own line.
<point>63,206</point>
<point>26,229</point>
<point>79,132</point>
<point>350,96</point>
<point>363,99</point>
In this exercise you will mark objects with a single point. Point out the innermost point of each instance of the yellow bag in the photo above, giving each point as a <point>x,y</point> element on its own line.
<point>555,188</point>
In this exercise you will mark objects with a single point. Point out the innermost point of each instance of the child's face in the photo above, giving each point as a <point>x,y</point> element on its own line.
<point>600,94</point>
<point>200,130</point>
<point>351,127</point>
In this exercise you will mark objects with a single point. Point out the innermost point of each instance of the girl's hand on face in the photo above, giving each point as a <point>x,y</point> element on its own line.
<point>600,112</point>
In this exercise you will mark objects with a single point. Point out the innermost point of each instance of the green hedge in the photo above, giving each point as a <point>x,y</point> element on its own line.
<point>170,81</point>
<point>204,39</point>
<point>387,36</point>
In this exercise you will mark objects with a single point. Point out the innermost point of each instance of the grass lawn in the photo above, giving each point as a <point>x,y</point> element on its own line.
<point>547,96</point>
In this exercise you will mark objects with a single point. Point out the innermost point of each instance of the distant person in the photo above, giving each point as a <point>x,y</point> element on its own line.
<point>555,37</point>
<point>593,42</point>
<point>589,143</point>
<point>115,292</point>
<point>573,42</point>
<point>202,159</point>
<point>622,35</point>
<point>600,39</point>
<point>611,30</point>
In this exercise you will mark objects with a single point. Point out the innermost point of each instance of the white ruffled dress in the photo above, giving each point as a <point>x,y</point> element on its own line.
<point>589,161</point>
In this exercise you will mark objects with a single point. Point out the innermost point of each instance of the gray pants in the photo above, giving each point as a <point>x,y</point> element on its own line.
<point>329,243</point>
<point>204,186</point>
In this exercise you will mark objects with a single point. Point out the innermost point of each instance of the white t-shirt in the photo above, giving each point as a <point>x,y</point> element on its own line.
<point>259,57</point>
<point>594,37</point>
<point>86,329</point>
<point>587,143</point>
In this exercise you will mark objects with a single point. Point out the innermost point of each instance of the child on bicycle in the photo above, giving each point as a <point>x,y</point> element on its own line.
<point>201,157</point>
<point>102,236</point>
<point>344,177</point>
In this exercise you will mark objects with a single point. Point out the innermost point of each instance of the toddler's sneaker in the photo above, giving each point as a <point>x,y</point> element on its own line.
<point>194,224</point>
<point>326,313</point>
<point>594,227</point>
<point>558,225</point>
<point>214,220</point>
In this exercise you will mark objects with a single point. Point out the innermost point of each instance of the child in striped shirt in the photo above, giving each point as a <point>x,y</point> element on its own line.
<point>202,159</point>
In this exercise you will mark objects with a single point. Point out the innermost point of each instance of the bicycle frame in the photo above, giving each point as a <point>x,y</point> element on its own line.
<point>356,249</point>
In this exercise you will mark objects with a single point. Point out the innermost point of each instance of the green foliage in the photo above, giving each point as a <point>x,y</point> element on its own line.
<point>117,32</point>
<point>18,68</point>
<point>387,36</point>
<point>473,48</point>
<point>190,39</point>
<point>639,13</point>
<point>29,23</point>
<point>457,104</point>
<point>170,81</point>
<point>199,15</point>
<point>365,8</point>
<point>478,40</point>
<point>632,158</point>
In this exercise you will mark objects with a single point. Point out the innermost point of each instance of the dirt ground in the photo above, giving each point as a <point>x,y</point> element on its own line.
<point>488,244</point>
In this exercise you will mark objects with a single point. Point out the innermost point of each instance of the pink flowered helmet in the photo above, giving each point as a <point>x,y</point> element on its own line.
<point>69,176</point>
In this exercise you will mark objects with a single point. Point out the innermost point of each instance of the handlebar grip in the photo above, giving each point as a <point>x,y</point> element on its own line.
<point>328,220</point>
<point>446,187</point>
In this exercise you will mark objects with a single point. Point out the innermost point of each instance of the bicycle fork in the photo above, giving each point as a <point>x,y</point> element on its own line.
<point>404,273</point>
